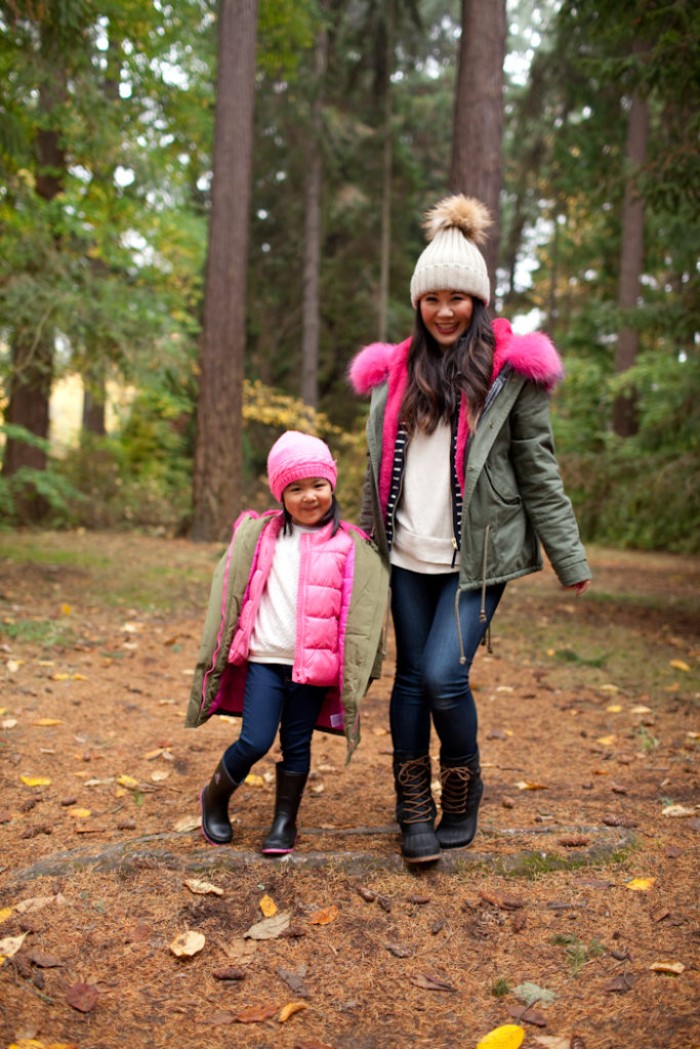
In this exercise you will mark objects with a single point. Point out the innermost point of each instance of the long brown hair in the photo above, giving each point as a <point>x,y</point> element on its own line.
<point>436,379</point>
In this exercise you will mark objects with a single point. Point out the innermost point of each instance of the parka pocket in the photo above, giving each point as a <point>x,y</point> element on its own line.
<point>505,491</point>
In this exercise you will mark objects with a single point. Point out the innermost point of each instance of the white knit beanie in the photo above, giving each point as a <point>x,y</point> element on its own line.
<point>452,260</point>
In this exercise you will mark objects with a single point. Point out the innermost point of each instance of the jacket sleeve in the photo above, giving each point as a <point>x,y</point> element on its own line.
<point>541,485</point>
<point>195,714</point>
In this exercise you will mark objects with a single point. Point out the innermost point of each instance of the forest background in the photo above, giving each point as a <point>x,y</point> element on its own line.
<point>111,129</point>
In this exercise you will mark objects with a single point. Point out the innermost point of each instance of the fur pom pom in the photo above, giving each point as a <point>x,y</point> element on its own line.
<point>466,214</point>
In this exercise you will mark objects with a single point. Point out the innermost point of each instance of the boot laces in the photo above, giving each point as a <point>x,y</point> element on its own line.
<point>455,788</point>
<point>414,780</point>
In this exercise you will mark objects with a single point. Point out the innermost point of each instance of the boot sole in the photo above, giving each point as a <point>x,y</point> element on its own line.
<point>211,841</point>
<point>422,859</point>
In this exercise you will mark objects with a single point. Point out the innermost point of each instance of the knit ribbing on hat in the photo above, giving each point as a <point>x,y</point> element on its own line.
<point>452,260</point>
<point>295,456</point>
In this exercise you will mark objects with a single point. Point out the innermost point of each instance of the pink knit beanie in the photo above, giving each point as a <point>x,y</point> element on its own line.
<point>297,455</point>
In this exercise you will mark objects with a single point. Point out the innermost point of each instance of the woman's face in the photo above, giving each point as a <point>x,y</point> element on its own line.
<point>308,501</point>
<point>446,315</point>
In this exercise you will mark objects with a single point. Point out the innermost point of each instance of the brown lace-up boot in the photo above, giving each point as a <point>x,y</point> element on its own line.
<point>462,788</point>
<point>415,810</point>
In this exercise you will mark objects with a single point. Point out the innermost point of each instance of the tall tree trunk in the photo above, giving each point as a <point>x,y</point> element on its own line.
<point>218,464</point>
<point>477,143</point>
<point>387,167</point>
<point>624,420</point>
<point>311,308</point>
<point>32,352</point>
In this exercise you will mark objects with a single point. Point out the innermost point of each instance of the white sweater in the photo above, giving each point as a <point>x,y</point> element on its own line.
<point>423,536</point>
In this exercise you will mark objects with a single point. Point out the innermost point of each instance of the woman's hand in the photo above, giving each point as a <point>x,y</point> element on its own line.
<point>580,588</point>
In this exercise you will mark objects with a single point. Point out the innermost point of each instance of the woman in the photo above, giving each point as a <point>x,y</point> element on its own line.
<point>462,487</point>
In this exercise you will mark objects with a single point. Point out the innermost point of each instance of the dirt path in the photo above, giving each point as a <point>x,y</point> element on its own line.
<point>579,891</point>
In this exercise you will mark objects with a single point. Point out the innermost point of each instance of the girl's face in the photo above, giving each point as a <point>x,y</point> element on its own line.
<point>308,500</point>
<point>446,315</point>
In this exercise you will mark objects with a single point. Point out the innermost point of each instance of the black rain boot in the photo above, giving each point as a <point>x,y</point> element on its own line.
<point>213,799</point>
<point>283,832</point>
<point>462,788</point>
<point>415,810</point>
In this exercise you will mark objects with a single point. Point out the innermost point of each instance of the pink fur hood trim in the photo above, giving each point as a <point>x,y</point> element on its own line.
<point>532,356</point>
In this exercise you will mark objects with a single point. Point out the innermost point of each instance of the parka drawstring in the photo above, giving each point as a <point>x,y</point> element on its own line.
<point>486,640</point>
<point>482,610</point>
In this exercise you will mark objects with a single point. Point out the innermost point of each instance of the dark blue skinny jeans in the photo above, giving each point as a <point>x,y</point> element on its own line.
<point>273,700</point>
<point>430,683</point>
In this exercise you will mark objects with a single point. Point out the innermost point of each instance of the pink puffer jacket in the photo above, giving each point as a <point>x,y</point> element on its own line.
<point>326,572</point>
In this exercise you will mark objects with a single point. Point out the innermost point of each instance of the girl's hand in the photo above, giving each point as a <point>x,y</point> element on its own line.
<point>579,587</point>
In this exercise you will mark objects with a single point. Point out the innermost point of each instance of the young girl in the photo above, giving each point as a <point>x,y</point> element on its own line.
<point>462,486</point>
<point>292,635</point>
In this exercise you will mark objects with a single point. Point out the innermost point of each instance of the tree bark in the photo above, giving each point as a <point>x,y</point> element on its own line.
<point>387,168</point>
<point>477,143</point>
<point>218,452</point>
<point>311,307</point>
<point>625,422</point>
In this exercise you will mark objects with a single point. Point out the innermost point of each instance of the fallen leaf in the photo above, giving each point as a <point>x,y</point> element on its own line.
<point>675,968</point>
<point>47,722</point>
<point>398,950</point>
<point>240,951</point>
<point>325,916</point>
<point>128,781</point>
<point>524,784</point>
<point>295,981</point>
<point>528,1015</point>
<point>606,741</point>
<point>290,1009</point>
<point>188,823</point>
<point>253,780</point>
<point>615,708</point>
<point>36,781</point>
<point>79,814</point>
<point>641,709</point>
<point>82,996</point>
<point>11,944</point>
<point>5,913</point>
<point>45,961</point>
<point>268,906</point>
<point>255,1014</point>
<point>678,664</point>
<point>432,983</point>
<point>677,811</point>
<point>269,928</point>
<point>187,944</point>
<point>641,884</point>
<point>203,888</point>
<point>509,1036</point>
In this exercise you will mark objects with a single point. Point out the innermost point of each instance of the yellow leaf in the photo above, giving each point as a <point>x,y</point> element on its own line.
<point>66,610</point>
<point>676,968</point>
<point>526,785</point>
<point>5,913</point>
<point>641,884</point>
<point>288,1010</point>
<point>614,709</point>
<point>680,665</point>
<point>509,1036</point>
<point>606,741</point>
<point>609,688</point>
<point>254,780</point>
<point>47,722</point>
<point>268,906</point>
<point>79,677</point>
<point>325,916</point>
<point>128,781</point>
<point>36,781</point>
<point>79,814</point>
<point>641,709</point>
<point>60,677</point>
<point>187,944</point>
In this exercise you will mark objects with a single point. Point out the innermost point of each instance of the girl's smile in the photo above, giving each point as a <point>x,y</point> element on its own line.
<point>446,315</point>
<point>308,500</point>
